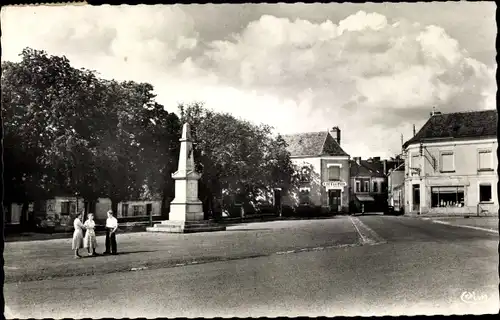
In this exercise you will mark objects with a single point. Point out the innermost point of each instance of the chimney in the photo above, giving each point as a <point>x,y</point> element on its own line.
<point>357,159</point>
<point>434,112</point>
<point>385,166</point>
<point>335,133</point>
<point>414,131</point>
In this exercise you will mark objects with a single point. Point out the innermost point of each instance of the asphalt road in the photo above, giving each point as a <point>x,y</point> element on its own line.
<point>372,265</point>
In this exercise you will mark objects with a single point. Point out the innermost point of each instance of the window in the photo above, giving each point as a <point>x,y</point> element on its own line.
<point>447,164</point>
<point>333,173</point>
<point>138,210</point>
<point>124,210</point>
<point>447,197</point>
<point>65,208</point>
<point>485,193</point>
<point>304,196</point>
<point>367,186</point>
<point>305,174</point>
<point>72,206</point>
<point>414,160</point>
<point>485,160</point>
<point>375,186</point>
<point>358,186</point>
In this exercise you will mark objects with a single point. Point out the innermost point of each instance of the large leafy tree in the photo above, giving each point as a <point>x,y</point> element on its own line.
<point>47,142</point>
<point>238,160</point>
<point>67,131</point>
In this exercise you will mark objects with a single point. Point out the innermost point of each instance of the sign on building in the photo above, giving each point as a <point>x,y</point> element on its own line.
<point>334,184</point>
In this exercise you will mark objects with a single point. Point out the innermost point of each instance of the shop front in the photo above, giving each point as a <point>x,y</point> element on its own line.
<point>334,191</point>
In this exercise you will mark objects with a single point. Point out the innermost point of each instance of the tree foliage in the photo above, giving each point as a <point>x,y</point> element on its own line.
<point>68,131</point>
<point>237,159</point>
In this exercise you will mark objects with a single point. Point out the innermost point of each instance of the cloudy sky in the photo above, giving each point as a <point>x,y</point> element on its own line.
<point>374,70</point>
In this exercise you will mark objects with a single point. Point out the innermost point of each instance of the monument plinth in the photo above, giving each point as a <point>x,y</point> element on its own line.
<point>186,210</point>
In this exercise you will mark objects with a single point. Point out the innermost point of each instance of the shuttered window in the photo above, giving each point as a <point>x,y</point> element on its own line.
<point>447,163</point>
<point>485,160</point>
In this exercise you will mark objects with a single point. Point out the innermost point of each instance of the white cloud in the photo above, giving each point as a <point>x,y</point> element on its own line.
<point>367,73</point>
<point>361,21</point>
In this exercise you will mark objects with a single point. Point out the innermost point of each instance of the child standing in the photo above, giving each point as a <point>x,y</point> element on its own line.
<point>90,240</point>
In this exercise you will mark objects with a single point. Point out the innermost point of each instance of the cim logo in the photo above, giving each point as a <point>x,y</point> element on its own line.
<point>474,297</point>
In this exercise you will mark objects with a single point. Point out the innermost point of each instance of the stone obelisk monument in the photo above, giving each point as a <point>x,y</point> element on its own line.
<point>186,210</point>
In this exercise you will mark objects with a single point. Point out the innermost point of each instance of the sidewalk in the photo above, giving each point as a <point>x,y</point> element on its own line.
<point>490,223</point>
<point>141,227</point>
<point>35,260</point>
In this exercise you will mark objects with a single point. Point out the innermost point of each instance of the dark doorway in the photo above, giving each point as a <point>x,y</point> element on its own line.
<point>149,209</point>
<point>8,213</point>
<point>277,200</point>
<point>334,200</point>
<point>416,197</point>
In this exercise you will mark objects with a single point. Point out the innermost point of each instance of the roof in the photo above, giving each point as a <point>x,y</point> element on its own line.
<point>313,144</point>
<point>458,125</point>
<point>366,169</point>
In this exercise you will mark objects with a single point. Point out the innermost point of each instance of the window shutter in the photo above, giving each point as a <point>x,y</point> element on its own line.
<point>447,162</point>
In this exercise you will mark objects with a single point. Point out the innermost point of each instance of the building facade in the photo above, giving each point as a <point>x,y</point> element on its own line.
<point>396,188</point>
<point>68,206</point>
<point>139,208</point>
<point>450,165</point>
<point>324,170</point>
<point>368,184</point>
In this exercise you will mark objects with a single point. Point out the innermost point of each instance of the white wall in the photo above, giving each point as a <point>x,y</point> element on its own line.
<point>319,166</point>
<point>466,165</point>
<point>156,208</point>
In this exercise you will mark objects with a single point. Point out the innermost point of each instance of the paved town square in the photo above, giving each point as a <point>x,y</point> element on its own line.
<point>361,265</point>
<point>250,160</point>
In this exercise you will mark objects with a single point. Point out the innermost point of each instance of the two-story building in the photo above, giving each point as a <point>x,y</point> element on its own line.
<point>368,184</point>
<point>396,189</point>
<point>450,165</point>
<point>324,170</point>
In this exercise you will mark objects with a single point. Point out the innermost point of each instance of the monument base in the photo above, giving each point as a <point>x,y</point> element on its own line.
<point>178,226</point>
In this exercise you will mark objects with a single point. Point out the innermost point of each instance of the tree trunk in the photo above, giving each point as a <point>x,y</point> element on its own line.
<point>24,215</point>
<point>114,206</point>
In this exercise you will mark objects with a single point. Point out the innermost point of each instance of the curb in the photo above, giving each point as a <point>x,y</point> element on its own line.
<point>463,226</point>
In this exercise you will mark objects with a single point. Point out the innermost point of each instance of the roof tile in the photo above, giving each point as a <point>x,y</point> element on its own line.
<point>313,144</point>
<point>459,125</point>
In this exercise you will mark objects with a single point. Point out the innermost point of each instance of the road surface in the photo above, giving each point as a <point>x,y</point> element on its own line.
<point>371,265</point>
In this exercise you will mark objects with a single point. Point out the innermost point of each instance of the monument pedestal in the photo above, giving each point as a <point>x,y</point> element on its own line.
<point>173,226</point>
<point>186,210</point>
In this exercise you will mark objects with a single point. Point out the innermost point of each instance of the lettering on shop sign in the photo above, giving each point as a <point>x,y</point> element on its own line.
<point>334,184</point>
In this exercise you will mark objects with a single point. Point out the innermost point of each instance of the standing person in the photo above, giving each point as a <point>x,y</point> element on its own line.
<point>111,226</point>
<point>90,240</point>
<point>78,235</point>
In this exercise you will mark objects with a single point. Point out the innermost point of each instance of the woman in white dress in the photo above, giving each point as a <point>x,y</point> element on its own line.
<point>78,234</point>
<point>90,240</point>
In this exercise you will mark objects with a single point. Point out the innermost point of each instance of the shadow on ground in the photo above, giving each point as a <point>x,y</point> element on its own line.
<point>249,229</point>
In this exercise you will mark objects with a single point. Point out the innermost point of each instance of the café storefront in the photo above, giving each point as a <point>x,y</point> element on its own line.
<point>335,193</point>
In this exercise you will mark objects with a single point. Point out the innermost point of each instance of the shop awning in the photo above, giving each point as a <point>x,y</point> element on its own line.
<point>364,198</point>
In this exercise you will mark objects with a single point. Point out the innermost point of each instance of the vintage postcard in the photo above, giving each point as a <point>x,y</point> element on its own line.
<point>250,160</point>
